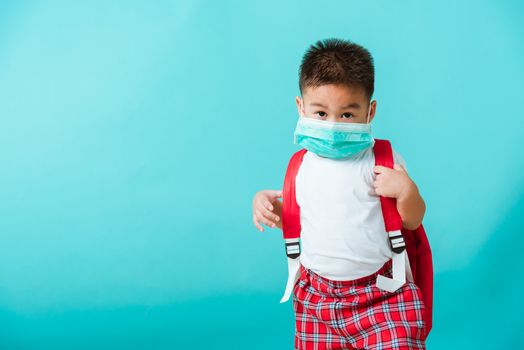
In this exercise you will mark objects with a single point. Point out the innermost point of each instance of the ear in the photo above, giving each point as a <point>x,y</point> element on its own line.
<point>298,101</point>
<point>373,110</point>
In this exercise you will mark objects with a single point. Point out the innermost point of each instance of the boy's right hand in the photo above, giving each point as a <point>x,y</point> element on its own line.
<point>267,209</point>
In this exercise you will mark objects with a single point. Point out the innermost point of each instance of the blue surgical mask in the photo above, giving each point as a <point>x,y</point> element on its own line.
<point>335,140</point>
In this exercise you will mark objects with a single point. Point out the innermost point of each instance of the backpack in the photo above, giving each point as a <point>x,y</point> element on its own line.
<point>413,242</point>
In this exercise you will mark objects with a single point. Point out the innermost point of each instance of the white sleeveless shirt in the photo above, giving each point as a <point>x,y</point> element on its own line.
<point>343,235</point>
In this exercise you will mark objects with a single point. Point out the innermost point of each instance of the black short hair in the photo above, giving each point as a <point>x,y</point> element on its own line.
<point>337,61</point>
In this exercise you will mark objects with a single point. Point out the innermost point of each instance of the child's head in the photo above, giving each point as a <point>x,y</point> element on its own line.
<point>337,82</point>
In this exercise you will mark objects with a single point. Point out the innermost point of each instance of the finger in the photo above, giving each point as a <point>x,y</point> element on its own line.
<point>263,204</point>
<point>267,204</point>
<point>255,221</point>
<point>270,215</point>
<point>275,193</point>
<point>380,169</point>
<point>261,218</point>
<point>377,188</point>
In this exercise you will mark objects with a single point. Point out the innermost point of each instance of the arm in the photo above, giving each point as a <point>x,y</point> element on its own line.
<point>410,205</point>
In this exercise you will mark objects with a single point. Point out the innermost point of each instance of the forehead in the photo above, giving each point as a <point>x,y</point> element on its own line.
<point>332,94</point>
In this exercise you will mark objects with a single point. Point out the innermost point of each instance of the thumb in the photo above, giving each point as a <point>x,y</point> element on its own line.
<point>380,169</point>
<point>276,193</point>
<point>398,167</point>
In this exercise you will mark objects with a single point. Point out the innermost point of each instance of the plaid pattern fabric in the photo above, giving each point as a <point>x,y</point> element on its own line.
<point>357,314</point>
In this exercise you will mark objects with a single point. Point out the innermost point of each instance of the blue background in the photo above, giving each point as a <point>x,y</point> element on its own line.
<point>134,134</point>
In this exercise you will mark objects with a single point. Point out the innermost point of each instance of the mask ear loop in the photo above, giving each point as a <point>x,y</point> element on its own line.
<point>369,113</point>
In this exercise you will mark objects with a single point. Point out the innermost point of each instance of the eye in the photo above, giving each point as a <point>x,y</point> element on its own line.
<point>347,115</point>
<point>321,114</point>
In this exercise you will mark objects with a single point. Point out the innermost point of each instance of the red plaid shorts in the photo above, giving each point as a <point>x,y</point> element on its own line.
<point>356,314</point>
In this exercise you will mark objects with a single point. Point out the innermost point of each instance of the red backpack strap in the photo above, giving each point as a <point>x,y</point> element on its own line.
<point>291,222</point>
<point>417,244</point>
<point>424,273</point>
<point>392,219</point>
<point>290,210</point>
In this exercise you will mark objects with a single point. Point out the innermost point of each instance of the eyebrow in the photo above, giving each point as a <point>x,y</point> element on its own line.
<point>351,105</point>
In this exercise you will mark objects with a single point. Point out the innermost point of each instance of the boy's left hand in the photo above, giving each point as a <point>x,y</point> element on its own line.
<point>392,182</point>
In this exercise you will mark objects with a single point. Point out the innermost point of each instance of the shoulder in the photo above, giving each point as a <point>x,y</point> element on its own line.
<point>398,159</point>
<point>297,156</point>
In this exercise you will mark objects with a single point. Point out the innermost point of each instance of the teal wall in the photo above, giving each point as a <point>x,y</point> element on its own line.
<point>134,134</point>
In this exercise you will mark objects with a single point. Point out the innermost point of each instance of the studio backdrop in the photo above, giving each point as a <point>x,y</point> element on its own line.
<point>134,134</point>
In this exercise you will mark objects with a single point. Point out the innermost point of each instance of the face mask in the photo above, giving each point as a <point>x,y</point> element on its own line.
<point>335,140</point>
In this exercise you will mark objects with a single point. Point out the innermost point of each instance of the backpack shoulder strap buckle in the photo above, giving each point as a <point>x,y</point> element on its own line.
<point>292,247</point>
<point>396,241</point>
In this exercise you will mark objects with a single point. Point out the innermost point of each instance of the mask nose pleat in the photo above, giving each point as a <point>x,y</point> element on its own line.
<point>332,139</point>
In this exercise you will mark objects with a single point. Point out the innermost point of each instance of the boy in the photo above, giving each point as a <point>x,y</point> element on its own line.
<point>344,243</point>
